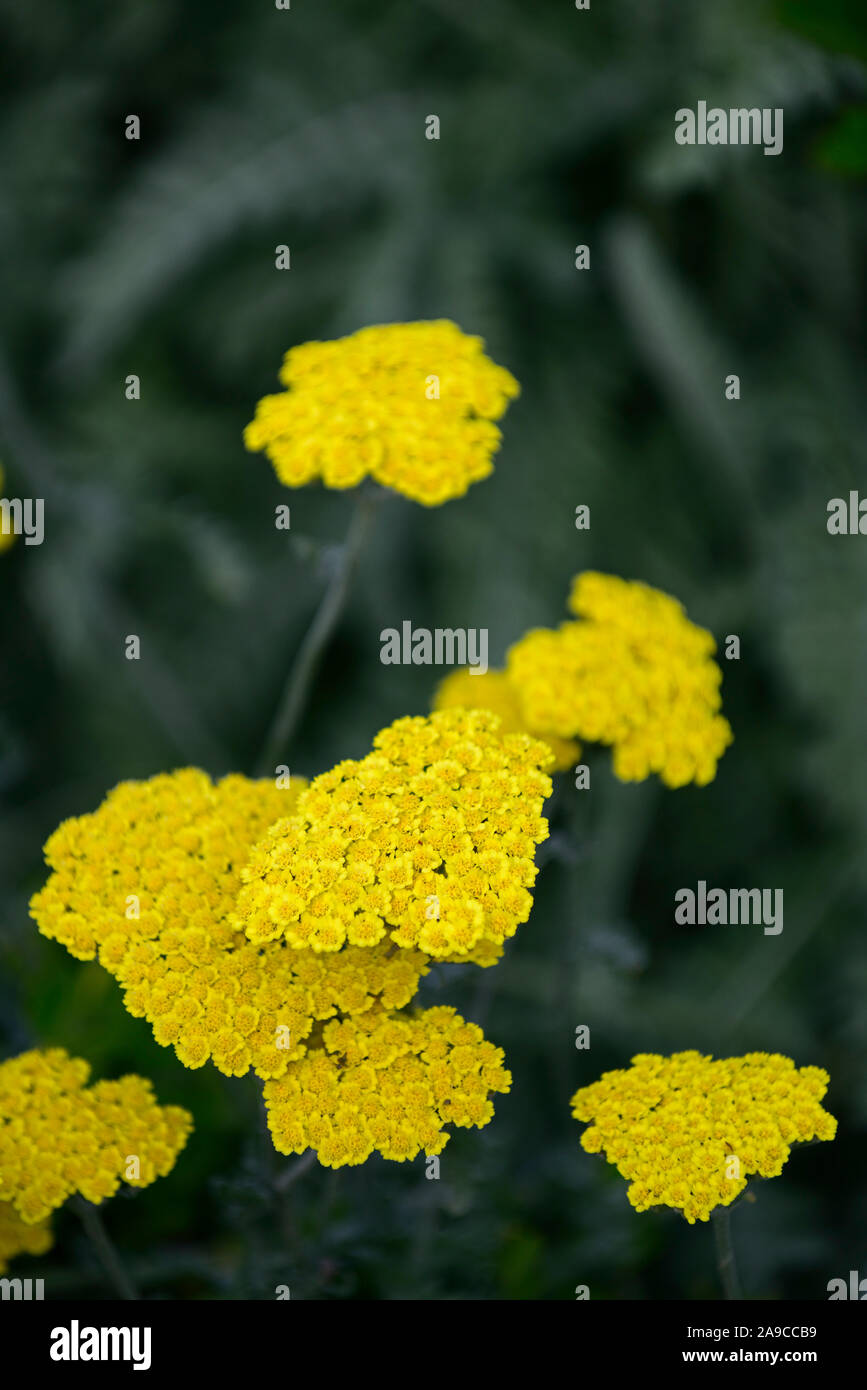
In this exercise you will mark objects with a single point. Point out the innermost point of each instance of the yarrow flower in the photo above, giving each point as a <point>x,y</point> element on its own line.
<point>688,1131</point>
<point>58,1136</point>
<point>493,690</point>
<point>429,840</point>
<point>384,1083</point>
<point>148,883</point>
<point>289,944</point>
<point>19,1238</point>
<point>411,405</point>
<point>634,673</point>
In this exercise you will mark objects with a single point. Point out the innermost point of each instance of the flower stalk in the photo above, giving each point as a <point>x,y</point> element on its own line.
<point>296,691</point>
<point>725,1255</point>
<point>104,1249</point>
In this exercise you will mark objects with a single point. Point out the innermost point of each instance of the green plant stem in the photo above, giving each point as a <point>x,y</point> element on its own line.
<point>304,668</point>
<point>296,1170</point>
<point>108,1256</point>
<point>725,1255</point>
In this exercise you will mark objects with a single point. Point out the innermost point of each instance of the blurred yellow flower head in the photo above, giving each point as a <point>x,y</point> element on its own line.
<point>7,535</point>
<point>19,1238</point>
<point>688,1132</point>
<point>634,673</point>
<point>387,1084</point>
<point>411,405</point>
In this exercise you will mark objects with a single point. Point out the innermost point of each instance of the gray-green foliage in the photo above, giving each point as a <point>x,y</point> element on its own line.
<point>156,257</point>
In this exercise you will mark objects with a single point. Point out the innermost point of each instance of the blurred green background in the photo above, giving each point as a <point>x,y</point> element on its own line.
<point>156,257</point>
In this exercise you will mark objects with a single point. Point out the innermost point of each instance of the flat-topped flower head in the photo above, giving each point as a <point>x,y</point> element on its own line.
<point>493,690</point>
<point>387,1084</point>
<point>59,1136</point>
<point>19,1238</point>
<point>411,405</point>
<point>427,842</point>
<point>632,672</point>
<point>161,854</point>
<point>688,1132</point>
<point>148,882</point>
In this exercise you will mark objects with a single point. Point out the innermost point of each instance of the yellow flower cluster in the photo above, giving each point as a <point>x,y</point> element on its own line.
<point>386,1084</point>
<point>58,1137</point>
<point>429,839</point>
<point>287,943</point>
<point>19,1238</point>
<point>688,1131</point>
<point>635,673</point>
<point>410,405</point>
<point>158,855</point>
<point>149,882</point>
<point>493,690</point>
